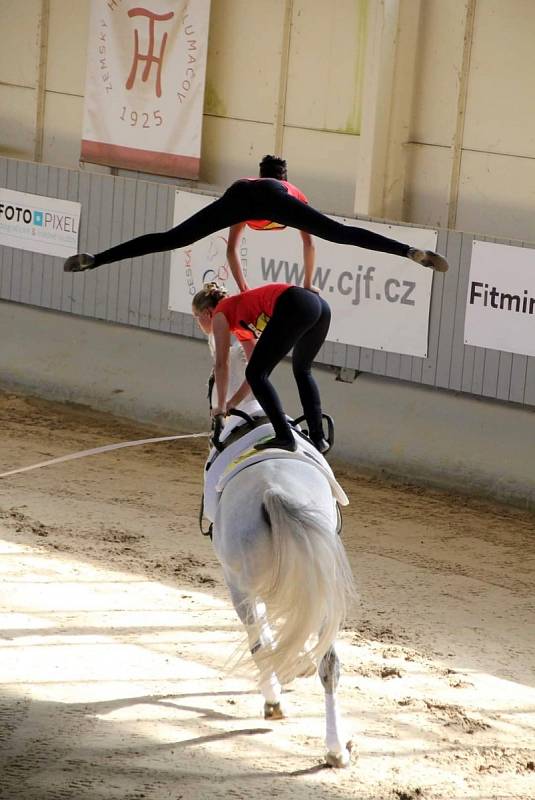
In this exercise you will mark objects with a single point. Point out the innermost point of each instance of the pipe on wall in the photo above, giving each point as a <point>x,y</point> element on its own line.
<point>280,109</point>
<point>462,96</point>
<point>42,43</point>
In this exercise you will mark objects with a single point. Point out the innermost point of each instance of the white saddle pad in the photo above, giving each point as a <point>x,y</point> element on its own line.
<point>241,454</point>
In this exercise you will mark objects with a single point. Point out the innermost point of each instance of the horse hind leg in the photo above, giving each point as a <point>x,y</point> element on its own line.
<point>259,635</point>
<point>338,751</point>
<point>269,685</point>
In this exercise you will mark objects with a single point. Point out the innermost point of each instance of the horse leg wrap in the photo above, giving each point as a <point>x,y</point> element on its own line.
<point>338,754</point>
<point>269,685</point>
<point>271,691</point>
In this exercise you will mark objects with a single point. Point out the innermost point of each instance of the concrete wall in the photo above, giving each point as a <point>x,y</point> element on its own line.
<point>411,432</point>
<point>289,81</point>
<point>417,110</point>
<point>472,151</point>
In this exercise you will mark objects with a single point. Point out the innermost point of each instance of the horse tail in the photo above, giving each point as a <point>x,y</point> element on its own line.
<point>306,588</point>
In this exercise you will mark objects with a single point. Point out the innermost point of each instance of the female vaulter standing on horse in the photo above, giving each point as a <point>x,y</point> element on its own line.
<point>286,316</point>
<point>263,203</point>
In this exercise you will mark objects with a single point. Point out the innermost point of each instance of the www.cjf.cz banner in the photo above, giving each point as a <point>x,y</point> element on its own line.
<point>145,85</point>
<point>378,300</point>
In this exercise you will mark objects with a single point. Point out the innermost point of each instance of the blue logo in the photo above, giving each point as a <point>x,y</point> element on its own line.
<point>37,217</point>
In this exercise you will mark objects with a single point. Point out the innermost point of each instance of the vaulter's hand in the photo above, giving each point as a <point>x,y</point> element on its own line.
<point>218,411</point>
<point>218,423</point>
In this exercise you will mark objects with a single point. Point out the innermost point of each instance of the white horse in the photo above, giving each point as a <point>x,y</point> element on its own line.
<point>275,535</point>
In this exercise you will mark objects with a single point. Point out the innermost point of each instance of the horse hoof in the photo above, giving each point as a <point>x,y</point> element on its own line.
<point>273,711</point>
<point>340,760</point>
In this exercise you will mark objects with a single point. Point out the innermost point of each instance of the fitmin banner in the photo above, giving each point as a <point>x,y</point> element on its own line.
<point>377,300</point>
<point>500,305</point>
<point>145,78</point>
<point>39,224</point>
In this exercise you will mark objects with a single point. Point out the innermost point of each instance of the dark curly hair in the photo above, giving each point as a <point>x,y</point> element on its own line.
<point>273,167</point>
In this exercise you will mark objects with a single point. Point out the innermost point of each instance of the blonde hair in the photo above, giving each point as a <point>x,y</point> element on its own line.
<point>209,296</point>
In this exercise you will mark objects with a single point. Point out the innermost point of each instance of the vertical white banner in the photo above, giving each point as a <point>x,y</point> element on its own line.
<point>378,300</point>
<point>145,78</point>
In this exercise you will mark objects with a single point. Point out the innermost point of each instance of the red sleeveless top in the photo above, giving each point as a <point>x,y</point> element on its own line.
<point>249,312</point>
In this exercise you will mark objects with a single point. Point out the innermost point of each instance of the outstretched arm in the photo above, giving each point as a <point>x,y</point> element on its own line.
<point>233,255</point>
<point>309,259</point>
<point>242,392</point>
<point>221,332</point>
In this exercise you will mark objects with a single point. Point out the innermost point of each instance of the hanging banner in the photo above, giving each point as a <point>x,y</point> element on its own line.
<point>377,300</point>
<point>145,80</point>
<point>39,224</point>
<point>500,305</point>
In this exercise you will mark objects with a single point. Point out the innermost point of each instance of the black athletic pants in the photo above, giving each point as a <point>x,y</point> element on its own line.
<point>264,198</point>
<point>300,320</point>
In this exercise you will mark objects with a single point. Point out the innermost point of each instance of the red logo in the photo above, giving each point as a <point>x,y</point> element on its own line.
<point>149,58</point>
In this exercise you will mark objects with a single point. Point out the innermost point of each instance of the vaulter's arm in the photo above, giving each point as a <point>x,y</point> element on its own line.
<point>309,259</point>
<point>233,255</point>
<point>242,392</point>
<point>221,333</point>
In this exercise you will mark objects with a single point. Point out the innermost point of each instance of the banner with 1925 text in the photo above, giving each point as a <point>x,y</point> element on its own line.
<point>145,85</point>
<point>377,300</point>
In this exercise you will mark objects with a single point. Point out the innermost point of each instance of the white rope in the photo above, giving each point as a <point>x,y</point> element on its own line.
<point>105,449</point>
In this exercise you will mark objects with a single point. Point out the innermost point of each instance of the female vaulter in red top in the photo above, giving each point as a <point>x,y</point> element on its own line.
<point>266,202</point>
<point>285,316</point>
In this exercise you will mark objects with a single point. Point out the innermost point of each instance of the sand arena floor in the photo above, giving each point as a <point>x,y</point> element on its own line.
<point>115,626</point>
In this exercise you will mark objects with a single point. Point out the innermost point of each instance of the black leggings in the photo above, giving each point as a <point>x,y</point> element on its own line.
<point>300,320</point>
<point>263,198</point>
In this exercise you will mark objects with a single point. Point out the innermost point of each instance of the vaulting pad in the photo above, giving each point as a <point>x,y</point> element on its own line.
<point>222,467</point>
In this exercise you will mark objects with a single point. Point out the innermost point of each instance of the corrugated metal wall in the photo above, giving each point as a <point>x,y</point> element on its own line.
<point>136,292</point>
